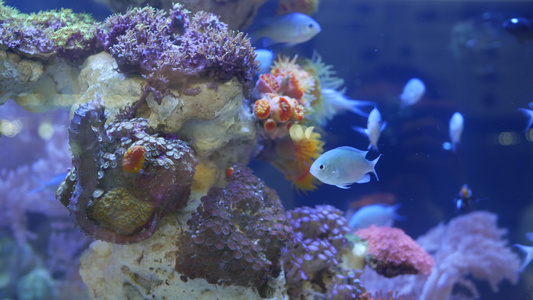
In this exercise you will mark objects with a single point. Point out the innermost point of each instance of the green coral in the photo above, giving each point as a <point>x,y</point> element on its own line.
<point>47,33</point>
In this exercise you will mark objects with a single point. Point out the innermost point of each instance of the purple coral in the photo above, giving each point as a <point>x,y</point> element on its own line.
<point>107,200</point>
<point>169,48</point>
<point>315,254</point>
<point>236,235</point>
<point>49,33</point>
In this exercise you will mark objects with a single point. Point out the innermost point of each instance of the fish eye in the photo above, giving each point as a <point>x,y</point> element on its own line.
<point>310,25</point>
<point>321,167</point>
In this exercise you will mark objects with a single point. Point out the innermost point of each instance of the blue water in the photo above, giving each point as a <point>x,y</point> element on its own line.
<point>376,47</point>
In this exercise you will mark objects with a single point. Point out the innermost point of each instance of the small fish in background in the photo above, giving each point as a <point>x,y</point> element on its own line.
<point>51,184</point>
<point>521,28</point>
<point>529,114</point>
<point>412,92</point>
<point>289,29</point>
<point>335,102</point>
<point>374,128</point>
<point>377,214</point>
<point>265,58</point>
<point>343,166</point>
<point>527,250</point>
<point>456,129</point>
<point>464,200</point>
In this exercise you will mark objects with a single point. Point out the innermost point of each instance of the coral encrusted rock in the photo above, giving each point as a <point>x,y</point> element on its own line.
<point>236,235</point>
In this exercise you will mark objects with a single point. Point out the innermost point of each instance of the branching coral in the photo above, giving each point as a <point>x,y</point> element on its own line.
<point>108,197</point>
<point>315,254</point>
<point>236,235</point>
<point>469,244</point>
<point>28,165</point>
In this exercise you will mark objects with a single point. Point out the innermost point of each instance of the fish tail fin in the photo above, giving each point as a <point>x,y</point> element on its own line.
<point>396,216</point>
<point>529,235</point>
<point>374,162</point>
<point>41,186</point>
<point>453,146</point>
<point>528,251</point>
<point>361,130</point>
<point>528,113</point>
<point>353,106</point>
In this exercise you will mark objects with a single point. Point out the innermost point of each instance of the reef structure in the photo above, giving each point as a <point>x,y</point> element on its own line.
<point>124,177</point>
<point>236,235</point>
<point>234,239</point>
<point>312,262</point>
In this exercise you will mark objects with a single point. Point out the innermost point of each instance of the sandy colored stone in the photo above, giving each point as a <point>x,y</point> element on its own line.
<point>145,270</point>
<point>220,127</point>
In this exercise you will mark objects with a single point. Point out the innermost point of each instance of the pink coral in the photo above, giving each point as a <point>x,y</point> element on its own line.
<point>391,252</point>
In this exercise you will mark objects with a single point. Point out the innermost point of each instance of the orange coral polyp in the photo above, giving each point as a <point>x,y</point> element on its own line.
<point>298,112</point>
<point>281,109</point>
<point>262,109</point>
<point>270,125</point>
<point>271,80</point>
<point>133,159</point>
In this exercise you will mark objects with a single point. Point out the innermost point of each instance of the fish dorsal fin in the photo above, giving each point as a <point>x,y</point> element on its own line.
<point>348,148</point>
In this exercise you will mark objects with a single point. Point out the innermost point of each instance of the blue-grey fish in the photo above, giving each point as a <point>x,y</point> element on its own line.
<point>51,184</point>
<point>377,214</point>
<point>343,166</point>
<point>265,58</point>
<point>374,128</point>
<point>527,250</point>
<point>456,129</point>
<point>289,29</point>
<point>412,92</point>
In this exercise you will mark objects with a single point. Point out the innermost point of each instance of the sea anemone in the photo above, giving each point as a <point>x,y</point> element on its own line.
<point>297,83</point>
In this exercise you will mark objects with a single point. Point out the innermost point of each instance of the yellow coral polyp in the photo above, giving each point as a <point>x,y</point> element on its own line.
<point>296,155</point>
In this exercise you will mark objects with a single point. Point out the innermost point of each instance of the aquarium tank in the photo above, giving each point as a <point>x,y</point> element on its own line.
<point>266,149</point>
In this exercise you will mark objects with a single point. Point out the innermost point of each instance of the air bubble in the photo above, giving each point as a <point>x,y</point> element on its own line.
<point>98,193</point>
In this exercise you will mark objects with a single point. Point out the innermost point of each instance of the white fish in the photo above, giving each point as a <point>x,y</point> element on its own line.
<point>456,129</point>
<point>529,114</point>
<point>377,214</point>
<point>289,29</point>
<point>527,250</point>
<point>343,166</point>
<point>339,103</point>
<point>374,127</point>
<point>412,92</point>
<point>265,58</point>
